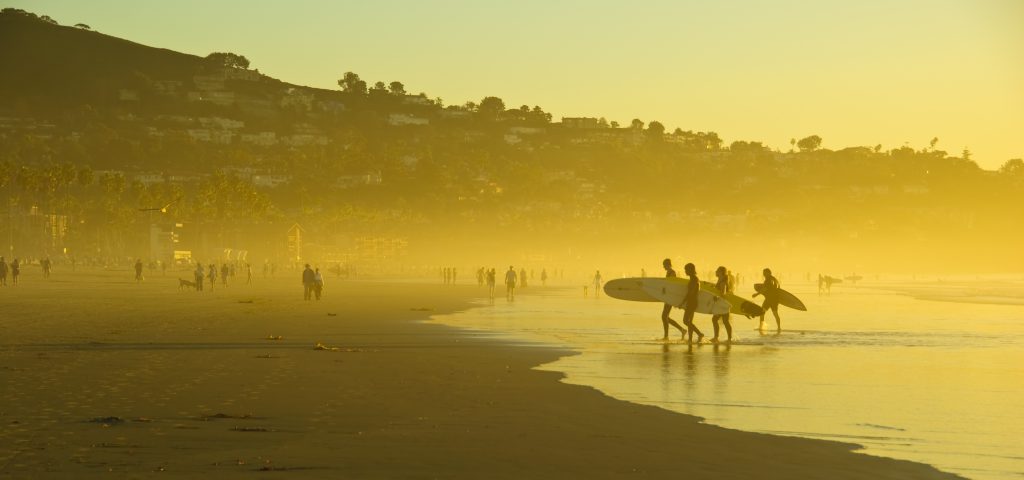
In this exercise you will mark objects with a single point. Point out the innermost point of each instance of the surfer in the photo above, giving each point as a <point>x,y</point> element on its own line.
<point>510,284</point>
<point>724,288</point>
<point>665,320</point>
<point>690,303</point>
<point>771,299</point>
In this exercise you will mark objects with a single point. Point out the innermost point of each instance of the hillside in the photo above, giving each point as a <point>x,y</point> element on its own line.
<point>92,126</point>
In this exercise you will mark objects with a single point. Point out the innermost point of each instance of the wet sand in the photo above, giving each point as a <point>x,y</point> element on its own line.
<point>101,375</point>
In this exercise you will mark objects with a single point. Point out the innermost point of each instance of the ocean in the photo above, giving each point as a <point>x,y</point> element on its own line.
<point>931,372</point>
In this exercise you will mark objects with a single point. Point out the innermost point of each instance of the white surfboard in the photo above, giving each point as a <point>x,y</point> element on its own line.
<point>673,290</point>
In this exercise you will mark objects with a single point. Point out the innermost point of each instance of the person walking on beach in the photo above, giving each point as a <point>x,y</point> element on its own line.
<point>510,284</point>
<point>211,274</point>
<point>690,303</point>
<point>597,284</point>
<point>490,282</point>
<point>318,284</point>
<point>199,274</point>
<point>248,274</point>
<point>138,270</point>
<point>724,288</point>
<point>522,278</point>
<point>47,265</point>
<point>667,309</point>
<point>224,271</point>
<point>308,282</point>
<point>3,272</point>
<point>15,271</point>
<point>770,290</point>
<point>544,277</point>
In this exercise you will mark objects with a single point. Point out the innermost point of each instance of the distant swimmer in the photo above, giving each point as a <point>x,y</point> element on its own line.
<point>690,303</point>
<point>510,284</point>
<point>597,284</point>
<point>771,299</point>
<point>665,319</point>
<point>725,287</point>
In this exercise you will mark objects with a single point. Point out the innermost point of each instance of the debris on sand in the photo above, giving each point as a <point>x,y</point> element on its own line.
<point>218,416</point>
<point>250,429</point>
<point>320,346</point>
<point>275,337</point>
<point>107,421</point>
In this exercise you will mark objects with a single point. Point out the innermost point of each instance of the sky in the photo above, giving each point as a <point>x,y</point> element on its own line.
<point>856,73</point>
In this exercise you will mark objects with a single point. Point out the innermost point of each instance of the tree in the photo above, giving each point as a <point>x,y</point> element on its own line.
<point>655,129</point>
<point>351,83</point>
<point>931,144</point>
<point>83,26</point>
<point>636,124</point>
<point>228,59</point>
<point>792,145</point>
<point>491,107</point>
<point>1014,167</point>
<point>809,144</point>
<point>396,88</point>
<point>378,90</point>
<point>614,124</point>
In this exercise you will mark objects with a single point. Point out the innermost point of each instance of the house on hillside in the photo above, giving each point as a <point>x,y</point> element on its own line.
<point>400,119</point>
<point>580,122</point>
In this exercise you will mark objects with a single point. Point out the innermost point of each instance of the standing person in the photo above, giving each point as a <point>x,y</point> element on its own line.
<point>211,273</point>
<point>248,274</point>
<point>597,284</point>
<point>490,282</point>
<point>510,284</point>
<point>163,267</point>
<point>224,271</point>
<point>522,277</point>
<point>724,288</point>
<point>770,290</point>
<point>15,271</point>
<point>318,284</point>
<point>199,274</point>
<point>138,270</point>
<point>3,272</point>
<point>454,272</point>
<point>308,282</point>
<point>544,277</point>
<point>690,303</point>
<point>667,309</point>
<point>47,265</point>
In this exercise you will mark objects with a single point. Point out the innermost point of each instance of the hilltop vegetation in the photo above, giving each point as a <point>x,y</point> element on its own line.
<point>94,127</point>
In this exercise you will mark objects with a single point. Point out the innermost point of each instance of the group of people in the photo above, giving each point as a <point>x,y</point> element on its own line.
<point>13,270</point>
<point>725,283</point>
<point>201,274</point>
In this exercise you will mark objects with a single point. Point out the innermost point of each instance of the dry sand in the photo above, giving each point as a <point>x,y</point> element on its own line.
<point>102,377</point>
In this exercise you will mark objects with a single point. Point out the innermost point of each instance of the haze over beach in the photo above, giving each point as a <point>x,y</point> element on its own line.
<point>511,240</point>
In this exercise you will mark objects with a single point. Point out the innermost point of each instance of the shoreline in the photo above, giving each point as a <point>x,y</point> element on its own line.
<point>198,389</point>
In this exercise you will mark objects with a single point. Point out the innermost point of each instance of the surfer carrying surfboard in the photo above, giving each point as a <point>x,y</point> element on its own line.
<point>725,287</point>
<point>771,298</point>
<point>689,304</point>
<point>665,319</point>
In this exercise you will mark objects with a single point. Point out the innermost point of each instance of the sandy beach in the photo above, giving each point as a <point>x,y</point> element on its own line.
<point>228,384</point>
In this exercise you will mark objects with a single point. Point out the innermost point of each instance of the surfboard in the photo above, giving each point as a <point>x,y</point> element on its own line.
<point>785,298</point>
<point>631,289</point>
<point>854,278</point>
<point>673,290</point>
<point>739,305</point>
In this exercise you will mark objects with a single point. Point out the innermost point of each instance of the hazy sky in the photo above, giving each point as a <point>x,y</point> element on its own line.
<point>858,72</point>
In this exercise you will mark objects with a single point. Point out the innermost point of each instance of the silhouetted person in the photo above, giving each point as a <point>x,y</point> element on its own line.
<point>597,284</point>
<point>199,274</point>
<point>723,286</point>
<point>454,274</point>
<point>318,284</point>
<point>667,309</point>
<point>690,303</point>
<point>211,274</point>
<point>821,284</point>
<point>3,272</point>
<point>248,274</point>
<point>510,284</point>
<point>308,282</point>
<point>490,282</point>
<point>770,290</point>
<point>138,270</point>
<point>522,278</point>
<point>47,265</point>
<point>544,277</point>
<point>15,271</point>
<point>224,271</point>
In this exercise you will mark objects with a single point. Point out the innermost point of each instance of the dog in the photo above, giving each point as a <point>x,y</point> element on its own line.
<point>182,284</point>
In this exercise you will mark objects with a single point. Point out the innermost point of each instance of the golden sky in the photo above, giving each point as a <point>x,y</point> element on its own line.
<point>864,72</point>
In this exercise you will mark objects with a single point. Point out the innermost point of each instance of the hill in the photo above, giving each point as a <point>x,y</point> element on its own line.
<point>93,127</point>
